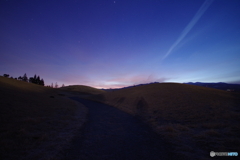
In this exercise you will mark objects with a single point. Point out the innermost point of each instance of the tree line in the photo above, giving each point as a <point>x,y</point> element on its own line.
<point>35,79</point>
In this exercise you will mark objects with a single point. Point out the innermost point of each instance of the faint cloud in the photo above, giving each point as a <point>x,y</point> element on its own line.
<point>190,25</point>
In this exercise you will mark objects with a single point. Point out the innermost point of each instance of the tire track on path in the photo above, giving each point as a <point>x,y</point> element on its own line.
<point>114,134</point>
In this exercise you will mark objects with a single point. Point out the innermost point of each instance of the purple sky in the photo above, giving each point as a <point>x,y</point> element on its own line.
<point>117,43</point>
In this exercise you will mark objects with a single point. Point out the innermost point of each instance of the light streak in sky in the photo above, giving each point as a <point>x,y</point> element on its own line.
<point>190,25</point>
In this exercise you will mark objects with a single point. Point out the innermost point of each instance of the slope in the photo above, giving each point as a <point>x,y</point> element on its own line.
<point>36,122</point>
<point>195,119</point>
<point>81,89</point>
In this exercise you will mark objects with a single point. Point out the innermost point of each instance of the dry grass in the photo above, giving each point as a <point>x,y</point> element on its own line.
<point>199,118</point>
<point>36,122</point>
<point>195,120</point>
<point>81,90</point>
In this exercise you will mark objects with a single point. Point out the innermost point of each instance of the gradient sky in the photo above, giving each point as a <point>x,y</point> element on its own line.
<point>117,43</point>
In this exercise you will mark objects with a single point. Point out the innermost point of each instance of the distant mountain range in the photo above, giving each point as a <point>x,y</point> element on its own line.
<point>219,85</point>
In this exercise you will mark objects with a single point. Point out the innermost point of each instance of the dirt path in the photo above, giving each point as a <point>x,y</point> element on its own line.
<point>113,134</point>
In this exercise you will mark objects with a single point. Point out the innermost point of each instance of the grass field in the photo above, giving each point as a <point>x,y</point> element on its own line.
<point>36,122</point>
<point>81,90</point>
<point>196,120</point>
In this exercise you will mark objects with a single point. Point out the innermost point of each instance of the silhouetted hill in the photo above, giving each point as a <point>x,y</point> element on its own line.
<point>36,122</point>
<point>219,85</point>
<point>195,119</point>
<point>81,89</point>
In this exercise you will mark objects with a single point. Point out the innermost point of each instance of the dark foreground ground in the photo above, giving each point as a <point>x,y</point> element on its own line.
<point>113,134</point>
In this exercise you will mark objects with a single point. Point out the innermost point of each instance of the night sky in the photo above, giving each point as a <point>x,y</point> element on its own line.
<point>117,43</point>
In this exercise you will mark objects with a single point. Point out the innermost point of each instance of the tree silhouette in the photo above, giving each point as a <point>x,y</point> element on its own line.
<point>6,75</point>
<point>25,78</point>
<point>38,80</point>
<point>35,79</point>
<point>31,80</point>
<point>56,85</point>
<point>41,82</point>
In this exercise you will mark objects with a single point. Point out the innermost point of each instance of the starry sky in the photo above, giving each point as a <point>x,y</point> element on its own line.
<point>117,43</point>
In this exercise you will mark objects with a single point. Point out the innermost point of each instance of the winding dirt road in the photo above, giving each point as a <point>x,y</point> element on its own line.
<point>113,134</point>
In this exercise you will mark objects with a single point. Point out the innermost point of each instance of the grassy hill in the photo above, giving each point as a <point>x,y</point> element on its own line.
<point>80,89</point>
<point>194,119</point>
<point>36,122</point>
